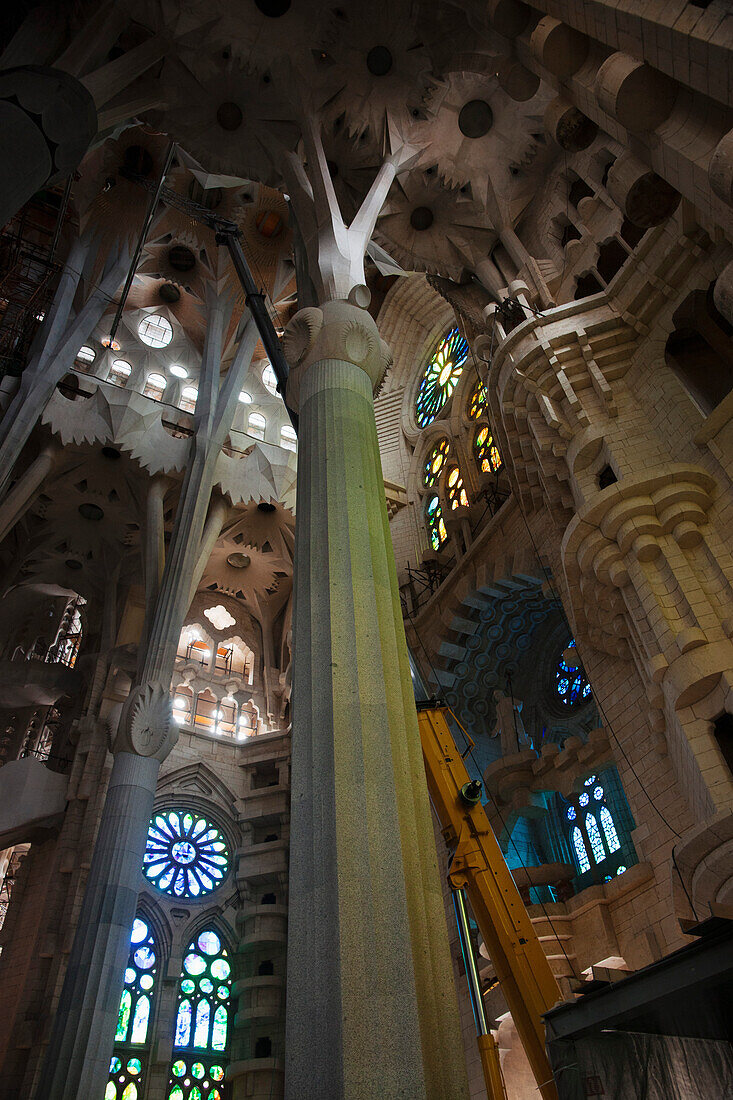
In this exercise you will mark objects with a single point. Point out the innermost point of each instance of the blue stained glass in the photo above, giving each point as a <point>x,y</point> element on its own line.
<point>580,851</point>
<point>134,1015</point>
<point>140,1020</point>
<point>440,376</point>
<point>609,830</point>
<point>620,870</point>
<point>584,799</point>
<point>183,1024</point>
<point>571,813</point>
<point>571,684</point>
<point>594,838</point>
<point>598,794</point>
<point>185,855</point>
<point>201,1034</point>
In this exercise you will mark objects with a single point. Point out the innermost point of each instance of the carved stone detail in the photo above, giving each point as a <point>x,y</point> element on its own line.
<point>145,726</point>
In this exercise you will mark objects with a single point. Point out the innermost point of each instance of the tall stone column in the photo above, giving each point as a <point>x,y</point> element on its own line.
<point>371,1008</point>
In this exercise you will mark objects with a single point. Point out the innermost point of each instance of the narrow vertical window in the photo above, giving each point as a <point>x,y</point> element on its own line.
<point>580,851</point>
<point>202,1021</point>
<point>132,1037</point>
<point>594,838</point>
<point>609,830</point>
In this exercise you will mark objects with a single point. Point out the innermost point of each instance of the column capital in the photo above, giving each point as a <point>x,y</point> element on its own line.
<point>339,329</point>
<point>145,726</point>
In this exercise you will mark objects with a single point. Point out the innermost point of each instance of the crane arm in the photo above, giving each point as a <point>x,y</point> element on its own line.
<point>478,867</point>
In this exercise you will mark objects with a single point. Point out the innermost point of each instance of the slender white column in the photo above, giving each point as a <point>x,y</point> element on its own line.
<point>24,490</point>
<point>371,1009</point>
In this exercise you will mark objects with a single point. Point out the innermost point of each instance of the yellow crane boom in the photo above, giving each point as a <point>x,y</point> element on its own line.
<point>478,867</point>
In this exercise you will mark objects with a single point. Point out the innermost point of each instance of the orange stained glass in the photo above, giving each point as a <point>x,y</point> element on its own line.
<point>486,452</point>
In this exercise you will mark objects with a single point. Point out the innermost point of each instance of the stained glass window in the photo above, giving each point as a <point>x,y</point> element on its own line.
<point>457,497</point>
<point>185,855</point>
<point>609,830</point>
<point>440,376</point>
<point>571,683</point>
<point>580,851</point>
<point>477,402</point>
<point>486,452</point>
<point>436,523</point>
<point>127,1067</point>
<point>594,838</point>
<point>435,462</point>
<point>202,1021</point>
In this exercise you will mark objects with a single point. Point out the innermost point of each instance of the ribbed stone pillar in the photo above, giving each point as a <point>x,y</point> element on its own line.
<point>79,1052</point>
<point>371,1009</point>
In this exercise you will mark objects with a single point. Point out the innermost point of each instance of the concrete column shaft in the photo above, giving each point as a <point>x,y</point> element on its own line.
<point>366,975</point>
<point>77,1060</point>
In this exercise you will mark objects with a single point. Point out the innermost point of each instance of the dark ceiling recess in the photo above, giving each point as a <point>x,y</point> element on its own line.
<point>138,160</point>
<point>229,116</point>
<point>90,511</point>
<point>421,218</point>
<point>265,506</point>
<point>111,452</point>
<point>169,293</point>
<point>273,9</point>
<point>72,563</point>
<point>475,119</point>
<point>181,258</point>
<point>379,61</point>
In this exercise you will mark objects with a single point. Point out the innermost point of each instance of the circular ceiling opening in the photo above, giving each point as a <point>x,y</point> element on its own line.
<point>475,119</point>
<point>265,507</point>
<point>273,9</point>
<point>91,511</point>
<point>229,116</point>
<point>169,293</point>
<point>111,452</point>
<point>379,61</point>
<point>421,218</point>
<point>269,224</point>
<point>72,563</point>
<point>238,560</point>
<point>181,258</point>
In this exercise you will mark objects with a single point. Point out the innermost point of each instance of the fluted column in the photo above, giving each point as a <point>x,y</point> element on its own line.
<point>371,1009</point>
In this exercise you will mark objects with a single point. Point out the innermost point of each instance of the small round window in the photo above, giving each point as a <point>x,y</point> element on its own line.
<point>185,854</point>
<point>155,331</point>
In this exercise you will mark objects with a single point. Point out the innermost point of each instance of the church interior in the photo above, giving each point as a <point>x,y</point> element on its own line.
<point>366,503</point>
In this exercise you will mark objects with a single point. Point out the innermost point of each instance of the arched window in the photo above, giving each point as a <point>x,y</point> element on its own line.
<point>457,496</point>
<point>580,851</point>
<point>119,372</point>
<point>440,375</point>
<point>202,1021</point>
<point>477,402</point>
<point>288,438</point>
<point>189,397</point>
<point>155,387</point>
<point>269,380</point>
<point>592,831</point>
<point>256,425</point>
<point>485,451</point>
<point>609,829</point>
<point>155,331</point>
<point>185,855</point>
<point>132,1038</point>
<point>435,462</point>
<point>65,649</point>
<point>571,684</point>
<point>436,523</point>
<point>85,356</point>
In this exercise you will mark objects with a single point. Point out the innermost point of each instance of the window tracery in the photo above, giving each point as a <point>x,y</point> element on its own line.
<point>435,462</point>
<point>440,375</point>
<point>185,855</point>
<point>486,453</point>
<point>457,496</point>
<point>436,523</point>
<point>155,331</point>
<point>477,401</point>
<point>592,830</point>
<point>202,1021</point>
<point>129,1060</point>
<point>571,683</point>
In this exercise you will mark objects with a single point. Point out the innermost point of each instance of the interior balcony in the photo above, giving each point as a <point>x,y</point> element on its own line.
<point>32,801</point>
<point>36,683</point>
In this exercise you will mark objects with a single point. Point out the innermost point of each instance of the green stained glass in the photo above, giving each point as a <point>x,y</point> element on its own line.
<point>134,1066</point>
<point>115,1065</point>
<point>477,402</point>
<point>130,1092</point>
<point>440,376</point>
<point>220,969</point>
<point>187,986</point>
<point>198,1070</point>
<point>436,523</point>
<point>435,462</point>
<point>219,1030</point>
<point>214,1095</point>
<point>178,1068</point>
<point>201,1032</point>
<point>206,986</point>
<point>195,1093</point>
<point>217,1072</point>
<point>123,1018</point>
<point>176,1093</point>
<point>110,1093</point>
<point>140,1020</point>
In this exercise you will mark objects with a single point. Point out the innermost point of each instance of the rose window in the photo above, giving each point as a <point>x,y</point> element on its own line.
<point>185,855</point>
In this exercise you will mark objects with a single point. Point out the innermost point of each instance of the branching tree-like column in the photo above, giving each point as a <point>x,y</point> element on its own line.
<point>82,1039</point>
<point>371,1008</point>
